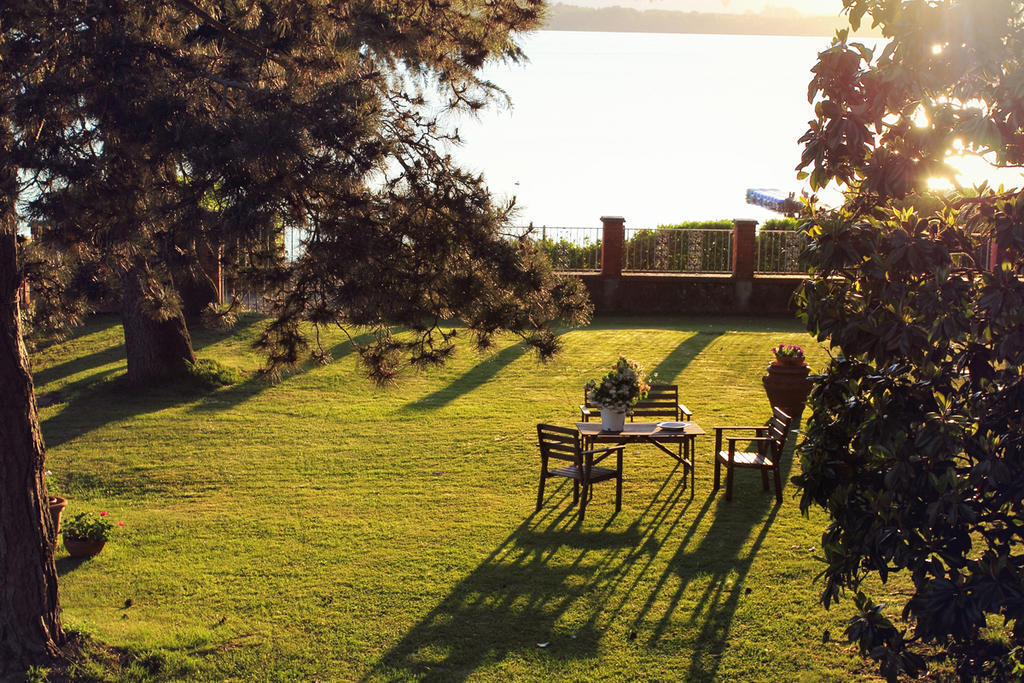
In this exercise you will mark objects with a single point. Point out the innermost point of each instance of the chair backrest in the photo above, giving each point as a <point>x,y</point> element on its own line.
<point>558,442</point>
<point>778,429</point>
<point>587,403</point>
<point>662,401</point>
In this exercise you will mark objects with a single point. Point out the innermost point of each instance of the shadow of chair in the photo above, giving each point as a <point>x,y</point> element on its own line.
<point>768,441</point>
<point>563,444</point>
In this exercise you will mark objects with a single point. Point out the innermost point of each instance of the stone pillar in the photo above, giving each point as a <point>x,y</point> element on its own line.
<point>744,249</point>
<point>613,242</point>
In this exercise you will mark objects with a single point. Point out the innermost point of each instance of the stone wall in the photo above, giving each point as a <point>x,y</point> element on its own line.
<point>741,292</point>
<point>698,294</point>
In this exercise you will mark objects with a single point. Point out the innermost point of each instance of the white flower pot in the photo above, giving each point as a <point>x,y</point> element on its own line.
<point>612,420</point>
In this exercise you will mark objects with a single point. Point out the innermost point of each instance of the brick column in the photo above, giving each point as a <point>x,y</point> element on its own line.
<point>744,249</point>
<point>613,241</point>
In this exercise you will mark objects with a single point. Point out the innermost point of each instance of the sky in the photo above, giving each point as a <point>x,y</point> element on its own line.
<point>825,7</point>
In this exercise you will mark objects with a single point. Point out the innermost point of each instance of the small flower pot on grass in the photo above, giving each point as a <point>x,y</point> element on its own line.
<point>57,505</point>
<point>86,533</point>
<point>78,548</point>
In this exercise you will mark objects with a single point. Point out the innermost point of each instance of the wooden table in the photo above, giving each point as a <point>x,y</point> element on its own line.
<point>647,432</point>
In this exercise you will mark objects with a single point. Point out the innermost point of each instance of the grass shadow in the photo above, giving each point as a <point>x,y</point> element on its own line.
<point>707,323</point>
<point>113,400</point>
<point>203,336</point>
<point>471,624</point>
<point>481,373</point>
<point>236,394</point>
<point>717,605</point>
<point>66,565</point>
<point>78,365</point>
<point>722,561</point>
<point>118,400</point>
<point>676,361</point>
<point>519,590</point>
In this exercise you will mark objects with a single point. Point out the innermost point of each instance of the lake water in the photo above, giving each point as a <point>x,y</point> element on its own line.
<point>658,128</point>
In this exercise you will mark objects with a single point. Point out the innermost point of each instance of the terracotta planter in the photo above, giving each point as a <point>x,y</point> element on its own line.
<point>57,505</point>
<point>612,420</point>
<point>77,548</point>
<point>787,387</point>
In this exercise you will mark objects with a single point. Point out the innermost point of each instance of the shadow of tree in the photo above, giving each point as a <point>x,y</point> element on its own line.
<point>676,361</point>
<point>236,394</point>
<point>201,338</point>
<point>80,364</point>
<point>104,397</point>
<point>481,373</point>
<point>705,323</point>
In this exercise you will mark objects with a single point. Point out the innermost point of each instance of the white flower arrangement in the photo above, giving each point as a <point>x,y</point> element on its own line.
<point>620,388</point>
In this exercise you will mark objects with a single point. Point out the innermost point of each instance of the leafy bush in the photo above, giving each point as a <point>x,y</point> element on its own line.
<point>568,255</point>
<point>915,446</point>
<point>780,224</point>
<point>699,225</point>
<point>211,374</point>
<point>88,526</point>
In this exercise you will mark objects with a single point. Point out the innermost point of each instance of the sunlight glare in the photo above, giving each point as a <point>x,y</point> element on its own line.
<point>940,185</point>
<point>971,170</point>
<point>920,117</point>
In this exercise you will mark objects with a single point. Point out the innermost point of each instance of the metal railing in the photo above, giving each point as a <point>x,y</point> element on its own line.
<point>568,248</point>
<point>669,250</point>
<point>678,250</point>
<point>778,251</point>
<point>294,242</point>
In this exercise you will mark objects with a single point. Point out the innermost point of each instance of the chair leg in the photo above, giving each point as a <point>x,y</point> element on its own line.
<point>728,483</point>
<point>718,473</point>
<point>575,491</point>
<point>540,491</point>
<point>778,484</point>
<point>764,479</point>
<point>583,500</point>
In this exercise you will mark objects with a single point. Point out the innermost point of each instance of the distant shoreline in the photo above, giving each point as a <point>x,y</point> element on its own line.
<point>626,20</point>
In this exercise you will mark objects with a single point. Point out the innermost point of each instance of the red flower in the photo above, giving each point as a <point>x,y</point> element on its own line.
<point>104,513</point>
<point>120,523</point>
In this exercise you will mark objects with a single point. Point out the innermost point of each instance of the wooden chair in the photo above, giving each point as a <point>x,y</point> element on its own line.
<point>769,441</point>
<point>564,444</point>
<point>662,401</point>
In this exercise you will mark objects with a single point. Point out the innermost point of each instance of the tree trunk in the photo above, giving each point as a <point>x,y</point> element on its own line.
<point>195,285</point>
<point>30,628</point>
<point>156,340</point>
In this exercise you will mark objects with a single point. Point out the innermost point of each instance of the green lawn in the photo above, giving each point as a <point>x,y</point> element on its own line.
<point>322,529</point>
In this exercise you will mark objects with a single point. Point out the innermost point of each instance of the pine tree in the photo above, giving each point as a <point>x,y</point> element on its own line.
<point>146,132</point>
